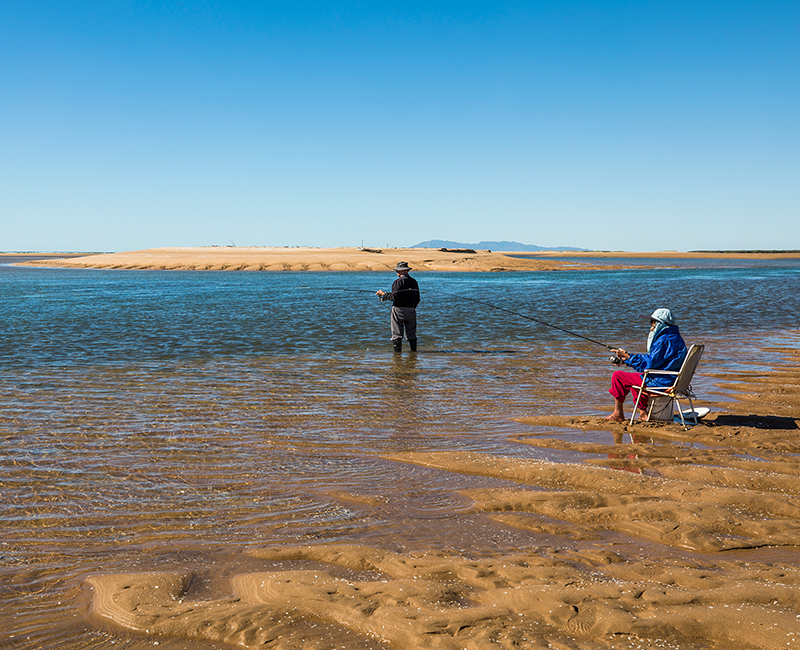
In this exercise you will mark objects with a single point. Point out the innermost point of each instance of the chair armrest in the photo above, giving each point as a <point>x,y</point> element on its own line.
<point>658,389</point>
<point>650,371</point>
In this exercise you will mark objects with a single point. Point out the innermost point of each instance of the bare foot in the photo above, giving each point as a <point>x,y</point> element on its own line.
<point>615,418</point>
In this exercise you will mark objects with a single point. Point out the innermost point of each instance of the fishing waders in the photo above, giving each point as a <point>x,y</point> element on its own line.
<point>404,321</point>
<point>397,344</point>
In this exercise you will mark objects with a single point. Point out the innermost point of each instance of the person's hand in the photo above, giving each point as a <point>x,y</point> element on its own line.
<point>620,352</point>
<point>380,292</point>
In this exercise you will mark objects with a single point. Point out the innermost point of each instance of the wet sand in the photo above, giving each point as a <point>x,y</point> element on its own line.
<point>302,259</point>
<point>666,539</point>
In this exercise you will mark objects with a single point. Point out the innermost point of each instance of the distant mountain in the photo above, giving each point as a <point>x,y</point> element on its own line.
<point>504,246</point>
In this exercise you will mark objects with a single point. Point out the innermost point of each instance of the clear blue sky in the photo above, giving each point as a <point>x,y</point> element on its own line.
<point>603,125</point>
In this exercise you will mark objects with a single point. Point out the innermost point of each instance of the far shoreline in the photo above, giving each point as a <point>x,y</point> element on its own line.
<point>765,254</point>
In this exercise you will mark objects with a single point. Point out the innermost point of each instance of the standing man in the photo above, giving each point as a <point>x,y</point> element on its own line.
<point>405,296</point>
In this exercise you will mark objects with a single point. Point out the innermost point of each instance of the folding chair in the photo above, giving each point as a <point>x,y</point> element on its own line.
<point>681,387</point>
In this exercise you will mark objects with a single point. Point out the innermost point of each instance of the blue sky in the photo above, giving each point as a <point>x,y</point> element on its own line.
<point>605,125</point>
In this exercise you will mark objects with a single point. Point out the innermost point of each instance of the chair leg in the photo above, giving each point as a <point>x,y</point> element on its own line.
<point>691,406</point>
<point>680,410</point>
<point>635,403</point>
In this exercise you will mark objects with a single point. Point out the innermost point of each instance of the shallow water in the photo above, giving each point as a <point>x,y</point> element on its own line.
<point>153,420</point>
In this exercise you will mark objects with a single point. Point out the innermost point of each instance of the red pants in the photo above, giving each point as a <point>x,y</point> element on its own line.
<point>621,384</point>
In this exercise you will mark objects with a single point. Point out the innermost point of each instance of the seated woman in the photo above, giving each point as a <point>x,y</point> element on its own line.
<point>665,351</point>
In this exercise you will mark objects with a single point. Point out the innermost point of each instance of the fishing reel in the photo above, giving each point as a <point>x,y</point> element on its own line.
<point>615,360</point>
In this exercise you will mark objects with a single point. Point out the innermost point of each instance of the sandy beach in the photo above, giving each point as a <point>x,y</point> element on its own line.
<point>670,539</point>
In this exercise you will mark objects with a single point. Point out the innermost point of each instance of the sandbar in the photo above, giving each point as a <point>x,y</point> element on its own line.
<point>229,258</point>
<point>273,258</point>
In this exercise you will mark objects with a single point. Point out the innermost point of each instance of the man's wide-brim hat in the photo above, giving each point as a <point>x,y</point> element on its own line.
<point>402,266</point>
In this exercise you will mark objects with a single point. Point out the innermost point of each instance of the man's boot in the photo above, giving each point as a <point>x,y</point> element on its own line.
<point>398,345</point>
<point>413,344</point>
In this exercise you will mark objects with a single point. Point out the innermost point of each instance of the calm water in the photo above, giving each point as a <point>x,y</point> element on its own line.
<point>153,420</point>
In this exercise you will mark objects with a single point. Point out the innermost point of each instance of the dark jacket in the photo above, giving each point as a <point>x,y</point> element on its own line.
<point>667,352</point>
<point>405,292</point>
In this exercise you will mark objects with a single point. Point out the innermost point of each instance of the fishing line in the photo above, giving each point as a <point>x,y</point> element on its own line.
<point>535,320</point>
<point>509,311</point>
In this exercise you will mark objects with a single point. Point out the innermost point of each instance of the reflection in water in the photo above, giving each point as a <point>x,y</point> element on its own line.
<point>635,439</point>
<point>405,401</point>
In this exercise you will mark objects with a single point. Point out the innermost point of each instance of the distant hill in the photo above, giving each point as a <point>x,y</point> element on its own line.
<point>502,246</point>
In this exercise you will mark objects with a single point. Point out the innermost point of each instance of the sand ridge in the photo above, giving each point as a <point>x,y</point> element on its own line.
<point>581,599</point>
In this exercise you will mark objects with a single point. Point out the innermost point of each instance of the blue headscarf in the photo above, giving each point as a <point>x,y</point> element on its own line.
<point>664,319</point>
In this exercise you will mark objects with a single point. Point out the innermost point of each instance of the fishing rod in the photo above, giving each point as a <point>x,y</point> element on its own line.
<point>536,320</point>
<point>334,289</point>
<point>351,290</point>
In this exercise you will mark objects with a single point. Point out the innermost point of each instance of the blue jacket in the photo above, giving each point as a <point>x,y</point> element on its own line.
<point>667,352</point>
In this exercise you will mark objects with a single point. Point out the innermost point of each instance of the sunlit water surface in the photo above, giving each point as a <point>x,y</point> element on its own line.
<point>154,420</point>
